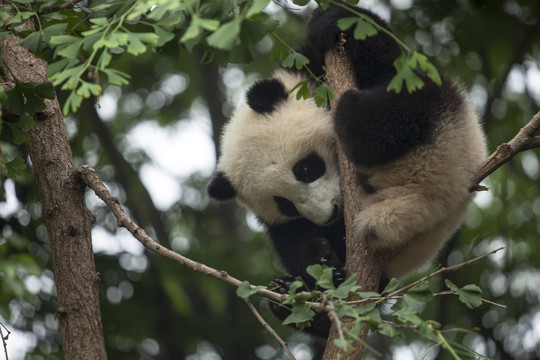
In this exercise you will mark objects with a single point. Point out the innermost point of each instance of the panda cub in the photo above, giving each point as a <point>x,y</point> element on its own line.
<point>416,153</point>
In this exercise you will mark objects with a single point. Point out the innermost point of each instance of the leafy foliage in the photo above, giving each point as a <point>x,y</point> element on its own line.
<point>349,302</point>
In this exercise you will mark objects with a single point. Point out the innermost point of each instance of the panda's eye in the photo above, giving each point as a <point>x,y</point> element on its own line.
<point>309,168</point>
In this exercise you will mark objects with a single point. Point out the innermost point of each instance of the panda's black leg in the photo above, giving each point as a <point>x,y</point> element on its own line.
<point>299,245</point>
<point>376,126</point>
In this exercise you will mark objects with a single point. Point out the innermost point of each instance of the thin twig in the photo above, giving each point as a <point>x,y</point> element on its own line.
<point>450,292</point>
<point>91,179</point>
<point>269,328</point>
<point>4,338</point>
<point>395,295</point>
<point>441,270</point>
<point>330,309</point>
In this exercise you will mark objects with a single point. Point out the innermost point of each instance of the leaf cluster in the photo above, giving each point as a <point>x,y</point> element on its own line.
<point>354,307</point>
<point>20,103</point>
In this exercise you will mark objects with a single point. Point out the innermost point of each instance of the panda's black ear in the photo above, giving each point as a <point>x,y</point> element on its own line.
<point>220,188</point>
<point>266,94</point>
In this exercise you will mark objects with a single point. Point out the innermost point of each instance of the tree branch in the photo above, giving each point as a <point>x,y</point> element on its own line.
<point>269,328</point>
<point>367,263</point>
<point>524,140</point>
<point>91,179</point>
<point>65,215</point>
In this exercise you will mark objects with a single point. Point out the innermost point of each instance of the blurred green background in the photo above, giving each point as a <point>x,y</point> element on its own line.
<point>152,142</point>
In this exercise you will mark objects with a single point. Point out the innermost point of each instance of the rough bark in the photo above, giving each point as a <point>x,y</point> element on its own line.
<point>361,259</point>
<point>64,213</point>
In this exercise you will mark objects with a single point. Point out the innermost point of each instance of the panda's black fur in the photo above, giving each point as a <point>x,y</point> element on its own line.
<point>416,154</point>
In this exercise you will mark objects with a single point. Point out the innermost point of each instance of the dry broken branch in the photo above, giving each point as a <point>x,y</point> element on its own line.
<point>524,140</point>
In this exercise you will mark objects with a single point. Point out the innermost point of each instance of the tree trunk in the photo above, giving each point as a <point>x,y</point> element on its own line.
<point>360,259</point>
<point>64,212</point>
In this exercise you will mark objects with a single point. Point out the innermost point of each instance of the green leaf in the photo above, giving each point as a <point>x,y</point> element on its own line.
<point>34,42</point>
<point>164,36</point>
<point>116,77</point>
<point>418,295</point>
<point>279,52</point>
<point>345,23</point>
<point>71,51</point>
<point>19,136</point>
<point>244,290</point>
<point>345,288</point>
<point>346,310</point>
<point>303,90</point>
<point>407,316</point>
<point>226,36</point>
<point>386,330</point>
<point>66,74</point>
<point>256,7</point>
<point>136,46</point>
<point>196,25</point>
<point>295,58</point>
<point>86,89</point>
<point>104,60</point>
<point>470,295</point>
<point>449,284</point>
<point>73,102</point>
<point>391,286</point>
<point>44,89</point>
<point>64,39</point>
<point>57,66</point>
<point>405,74</point>
<point>252,31</point>
<point>15,101</point>
<point>323,93</point>
<point>300,314</point>
<point>421,61</point>
<point>25,122</point>
<point>170,20</point>
<point>101,21</point>
<point>116,39</point>
<point>364,309</point>
<point>362,30</point>
<point>15,167</point>
<point>294,286</point>
<point>322,274</point>
<point>301,2</point>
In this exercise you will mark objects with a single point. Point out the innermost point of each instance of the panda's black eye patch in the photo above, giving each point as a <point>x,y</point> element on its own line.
<point>286,207</point>
<point>309,168</point>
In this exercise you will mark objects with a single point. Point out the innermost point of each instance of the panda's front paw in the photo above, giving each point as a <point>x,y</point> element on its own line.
<point>329,258</point>
<point>376,231</point>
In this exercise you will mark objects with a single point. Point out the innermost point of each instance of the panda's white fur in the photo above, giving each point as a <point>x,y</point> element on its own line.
<point>422,198</point>
<point>258,152</point>
<point>415,185</point>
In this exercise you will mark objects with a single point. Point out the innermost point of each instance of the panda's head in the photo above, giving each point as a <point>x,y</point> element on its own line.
<point>278,156</point>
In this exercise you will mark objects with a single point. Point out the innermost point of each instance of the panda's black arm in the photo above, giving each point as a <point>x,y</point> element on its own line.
<point>371,58</point>
<point>301,243</point>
